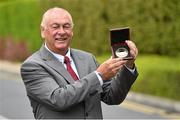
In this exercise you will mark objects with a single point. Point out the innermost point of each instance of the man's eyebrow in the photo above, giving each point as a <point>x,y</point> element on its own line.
<point>55,24</point>
<point>61,24</point>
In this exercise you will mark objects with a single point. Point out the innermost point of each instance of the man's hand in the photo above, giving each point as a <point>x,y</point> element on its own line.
<point>110,67</point>
<point>133,52</point>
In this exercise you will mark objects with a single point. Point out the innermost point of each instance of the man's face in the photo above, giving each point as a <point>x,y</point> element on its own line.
<point>58,32</point>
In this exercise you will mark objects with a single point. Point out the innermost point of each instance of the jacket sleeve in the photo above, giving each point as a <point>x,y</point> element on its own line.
<point>116,89</point>
<point>42,87</point>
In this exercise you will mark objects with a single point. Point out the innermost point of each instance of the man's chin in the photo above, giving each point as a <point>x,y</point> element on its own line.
<point>62,47</point>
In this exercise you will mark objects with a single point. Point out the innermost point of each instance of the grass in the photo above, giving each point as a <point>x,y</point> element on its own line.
<point>158,75</point>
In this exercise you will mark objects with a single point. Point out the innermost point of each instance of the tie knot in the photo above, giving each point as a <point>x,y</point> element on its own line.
<point>66,59</point>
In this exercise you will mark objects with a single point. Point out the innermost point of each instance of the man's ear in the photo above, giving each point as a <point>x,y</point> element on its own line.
<point>72,33</point>
<point>42,32</point>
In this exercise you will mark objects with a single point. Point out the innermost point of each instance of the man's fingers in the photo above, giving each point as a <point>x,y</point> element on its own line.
<point>112,60</point>
<point>133,48</point>
<point>118,64</point>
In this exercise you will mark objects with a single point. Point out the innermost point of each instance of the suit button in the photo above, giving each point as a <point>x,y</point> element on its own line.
<point>86,114</point>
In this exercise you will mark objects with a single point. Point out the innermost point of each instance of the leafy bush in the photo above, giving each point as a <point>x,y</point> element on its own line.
<point>20,20</point>
<point>13,50</point>
<point>154,23</point>
<point>164,83</point>
<point>158,75</point>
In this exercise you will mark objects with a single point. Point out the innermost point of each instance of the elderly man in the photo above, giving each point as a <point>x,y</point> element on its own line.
<point>66,83</point>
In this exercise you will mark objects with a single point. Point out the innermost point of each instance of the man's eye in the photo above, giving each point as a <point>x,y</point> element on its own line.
<point>67,26</point>
<point>55,26</point>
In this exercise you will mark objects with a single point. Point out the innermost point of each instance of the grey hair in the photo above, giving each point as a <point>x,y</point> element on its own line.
<point>49,11</point>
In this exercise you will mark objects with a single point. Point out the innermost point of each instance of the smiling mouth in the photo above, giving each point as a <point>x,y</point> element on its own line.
<point>60,39</point>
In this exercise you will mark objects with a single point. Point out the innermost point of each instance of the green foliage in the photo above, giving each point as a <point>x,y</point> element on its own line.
<point>154,23</point>
<point>158,75</point>
<point>20,20</point>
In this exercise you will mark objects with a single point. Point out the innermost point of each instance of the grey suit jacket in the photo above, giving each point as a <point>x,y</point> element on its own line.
<point>55,95</point>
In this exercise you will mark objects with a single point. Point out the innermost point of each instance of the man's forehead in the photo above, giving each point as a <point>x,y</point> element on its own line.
<point>59,19</point>
<point>58,14</point>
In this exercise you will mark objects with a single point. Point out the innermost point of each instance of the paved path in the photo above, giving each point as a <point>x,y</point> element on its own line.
<point>13,101</point>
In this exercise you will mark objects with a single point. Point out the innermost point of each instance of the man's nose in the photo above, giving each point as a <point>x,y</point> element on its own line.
<point>61,30</point>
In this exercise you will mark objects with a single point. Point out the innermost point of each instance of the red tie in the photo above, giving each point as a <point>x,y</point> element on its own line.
<point>69,68</point>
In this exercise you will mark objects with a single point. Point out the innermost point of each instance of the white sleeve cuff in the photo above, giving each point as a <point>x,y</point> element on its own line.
<point>131,70</point>
<point>99,78</point>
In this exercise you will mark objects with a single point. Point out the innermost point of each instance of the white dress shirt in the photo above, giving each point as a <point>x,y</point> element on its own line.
<point>61,59</point>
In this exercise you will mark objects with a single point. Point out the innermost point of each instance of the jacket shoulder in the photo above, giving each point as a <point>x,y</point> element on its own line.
<point>81,52</point>
<point>33,58</point>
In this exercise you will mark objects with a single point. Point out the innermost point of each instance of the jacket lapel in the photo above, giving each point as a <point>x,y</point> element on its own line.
<point>51,61</point>
<point>79,63</point>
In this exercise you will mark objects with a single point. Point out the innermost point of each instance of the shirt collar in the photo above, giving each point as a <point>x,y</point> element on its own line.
<point>58,56</point>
